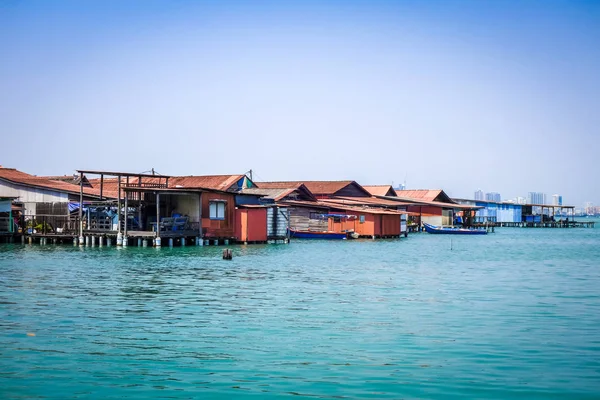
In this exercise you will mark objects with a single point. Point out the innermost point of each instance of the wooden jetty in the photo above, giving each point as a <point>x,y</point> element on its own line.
<point>545,224</point>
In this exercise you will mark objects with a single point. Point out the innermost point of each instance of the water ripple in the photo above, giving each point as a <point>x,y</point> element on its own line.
<point>511,315</point>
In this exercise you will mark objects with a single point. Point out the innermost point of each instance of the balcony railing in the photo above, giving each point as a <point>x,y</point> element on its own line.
<point>46,224</point>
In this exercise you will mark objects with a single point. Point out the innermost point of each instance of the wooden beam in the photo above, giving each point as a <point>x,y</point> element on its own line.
<point>125,226</point>
<point>200,215</point>
<point>157,214</point>
<point>119,204</point>
<point>81,205</point>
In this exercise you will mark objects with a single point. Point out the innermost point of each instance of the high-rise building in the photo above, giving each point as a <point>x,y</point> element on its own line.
<point>479,195</point>
<point>557,200</point>
<point>493,196</point>
<point>536,198</point>
<point>589,208</point>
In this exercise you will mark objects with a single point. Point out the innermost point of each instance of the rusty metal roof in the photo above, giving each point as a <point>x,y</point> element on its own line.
<point>425,194</point>
<point>15,176</point>
<point>441,204</point>
<point>274,194</point>
<point>370,201</point>
<point>316,187</point>
<point>324,204</point>
<point>216,182</point>
<point>279,193</point>
<point>380,190</point>
<point>221,183</point>
<point>123,174</point>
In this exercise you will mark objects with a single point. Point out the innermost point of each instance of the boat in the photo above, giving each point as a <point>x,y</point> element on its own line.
<point>317,235</point>
<point>352,235</point>
<point>453,231</point>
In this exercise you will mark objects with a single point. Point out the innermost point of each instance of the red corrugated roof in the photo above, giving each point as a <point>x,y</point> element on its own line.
<point>22,178</point>
<point>329,205</point>
<point>371,201</point>
<point>215,182</point>
<point>380,190</point>
<point>316,187</point>
<point>421,194</point>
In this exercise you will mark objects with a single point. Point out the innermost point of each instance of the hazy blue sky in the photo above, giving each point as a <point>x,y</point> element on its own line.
<point>460,95</point>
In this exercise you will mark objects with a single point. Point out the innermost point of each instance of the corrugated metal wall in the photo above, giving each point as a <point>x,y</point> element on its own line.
<point>277,221</point>
<point>31,196</point>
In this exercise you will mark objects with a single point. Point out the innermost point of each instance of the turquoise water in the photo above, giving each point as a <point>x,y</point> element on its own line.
<point>515,314</point>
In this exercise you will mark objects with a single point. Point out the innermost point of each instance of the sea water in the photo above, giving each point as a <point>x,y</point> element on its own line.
<point>510,315</point>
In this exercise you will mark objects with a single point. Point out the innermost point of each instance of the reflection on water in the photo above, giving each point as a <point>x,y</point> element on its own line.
<point>515,314</point>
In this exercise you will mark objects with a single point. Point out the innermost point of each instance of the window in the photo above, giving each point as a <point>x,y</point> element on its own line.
<point>362,219</point>
<point>216,209</point>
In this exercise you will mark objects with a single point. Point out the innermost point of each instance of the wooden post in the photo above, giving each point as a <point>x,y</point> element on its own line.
<point>200,215</point>
<point>119,203</point>
<point>101,185</point>
<point>141,225</point>
<point>227,254</point>
<point>157,214</point>
<point>126,206</point>
<point>81,204</point>
<point>274,222</point>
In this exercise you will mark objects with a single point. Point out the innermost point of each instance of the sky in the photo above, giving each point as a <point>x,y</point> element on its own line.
<point>502,96</point>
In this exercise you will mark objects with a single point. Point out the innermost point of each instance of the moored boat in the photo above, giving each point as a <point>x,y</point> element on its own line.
<point>453,231</point>
<point>316,235</point>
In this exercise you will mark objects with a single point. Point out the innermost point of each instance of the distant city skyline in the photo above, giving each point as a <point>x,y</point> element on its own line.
<point>557,200</point>
<point>493,196</point>
<point>533,198</point>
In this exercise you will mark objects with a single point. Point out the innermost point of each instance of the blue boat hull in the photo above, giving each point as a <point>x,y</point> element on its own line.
<point>453,231</point>
<point>316,235</point>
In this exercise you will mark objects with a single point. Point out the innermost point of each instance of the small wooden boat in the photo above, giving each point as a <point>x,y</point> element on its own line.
<point>453,231</point>
<point>316,235</point>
